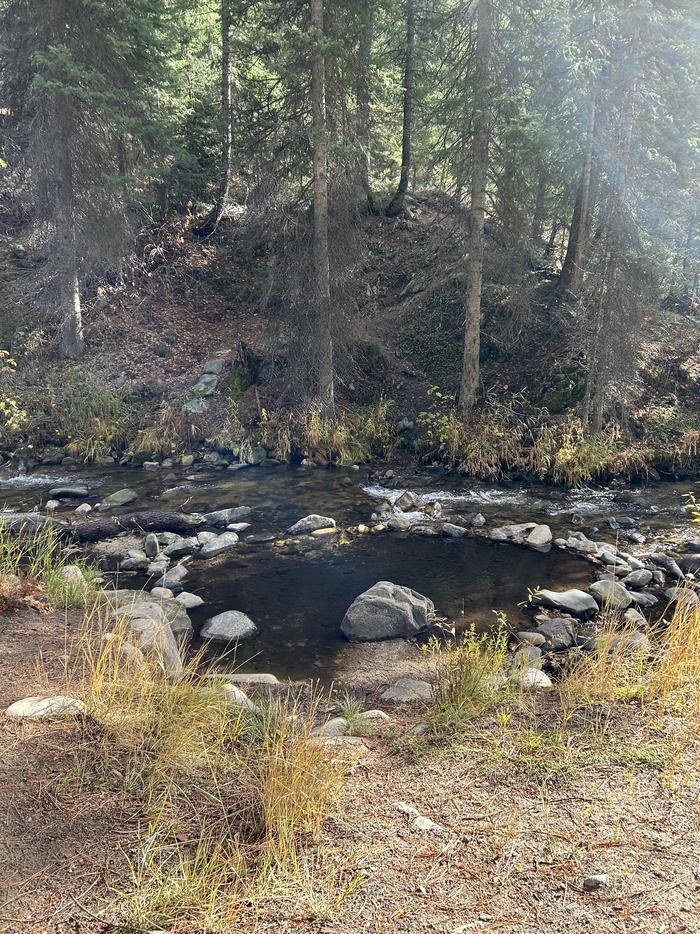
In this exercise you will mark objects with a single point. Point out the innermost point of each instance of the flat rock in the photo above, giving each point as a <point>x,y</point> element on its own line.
<point>219,545</point>
<point>386,611</point>
<point>181,547</point>
<point>69,491</point>
<point>576,602</point>
<point>117,499</point>
<point>45,708</point>
<point>311,524</point>
<point>407,691</point>
<point>229,626</point>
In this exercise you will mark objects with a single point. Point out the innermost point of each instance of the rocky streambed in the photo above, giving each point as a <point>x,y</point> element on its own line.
<point>275,570</point>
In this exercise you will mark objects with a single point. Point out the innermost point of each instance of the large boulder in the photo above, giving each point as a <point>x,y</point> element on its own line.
<point>386,611</point>
<point>311,524</point>
<point>229,626</point>
<point>576,602</point>
<point>611,594</point>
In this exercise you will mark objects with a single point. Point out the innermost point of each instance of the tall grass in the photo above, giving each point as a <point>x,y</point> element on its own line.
<point>40,555</point>
<point>234,798</point>
<point>470,676</point>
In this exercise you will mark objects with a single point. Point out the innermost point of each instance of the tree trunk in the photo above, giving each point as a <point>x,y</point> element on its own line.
<point>95,530</point>
<point>571,278</point>
<point>71,344</point>
<point>363,102</point>
<point>322,296</point>
<point>480,160</point>
<point>538,213</point>
<point>397,202</point>
<point>615,230</point>
<point>212,221</point>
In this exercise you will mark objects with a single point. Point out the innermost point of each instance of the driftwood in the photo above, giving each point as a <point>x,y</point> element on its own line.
<point>95,530</point>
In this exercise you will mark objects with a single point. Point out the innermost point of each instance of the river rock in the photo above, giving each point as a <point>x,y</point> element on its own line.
<point>667,564</point>
<point>611,594</point>
<point>532,679</point>
<point>311,524</point>
<point>337,726</point>
<point>238,698</point>
<point>83,509</point>
<point>45,708</point>
<point>229,626</point>
<point>517,532</point>
<point>399,523</point>
<point>624,643</point>
<point>576,602</point>
<point>148,620</point>
<point>219,545</point>
<point>527,657</point>
<point>181,547</point>
<point>531,638</point>
<point>477,521</point>
<point>540,536</point>
<point>190,601</point>
<point>407,691</point>
<point>406,502</point>
<point>690,564</point>
<point>120,498</point>
<point>262,538</point>
<point>621,522</point>
<point>638,579</point>
<point>162,592</point>
<point>224,517</point>
<point>386,611</point>
<point>452,530</point>
<point>73,576</point>
<point>559,633</point>
<point>151,546</point>
<point>693,546</point>
<point>644,600</point>
<point>69,491</point>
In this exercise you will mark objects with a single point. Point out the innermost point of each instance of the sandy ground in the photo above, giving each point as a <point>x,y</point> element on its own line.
<point>520,826</point>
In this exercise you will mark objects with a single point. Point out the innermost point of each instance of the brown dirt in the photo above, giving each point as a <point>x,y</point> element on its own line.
<point>515,845</point>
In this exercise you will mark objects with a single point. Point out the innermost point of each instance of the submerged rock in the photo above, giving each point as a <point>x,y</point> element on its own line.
<point>120,498</point>
<point>311,524</point>
<point>229,626</point>
<point>69,491</point>
<point>386,611</point>
<point>224,517</point>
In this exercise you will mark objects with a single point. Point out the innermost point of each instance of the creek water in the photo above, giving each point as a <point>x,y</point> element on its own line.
<point>297,592</point>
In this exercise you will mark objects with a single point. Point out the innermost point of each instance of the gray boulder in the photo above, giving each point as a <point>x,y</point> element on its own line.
<point>229,626</point>
<point>205,385</point>
<point>151,546</point>
<point>540,536</point>
<point>576,602</point>
<point>406,502</point>
<point>559,633</point>
<point>691,564</point>
<point>311,524</point>
<point>386,611</point>
<point>214,366</point>
<point>181,547</point>
<point>638,579</point>
<point>190,601</point>
<point>666,564</point>
<point>219,545</point>
<point>611,594</point>
<point>120,498</point>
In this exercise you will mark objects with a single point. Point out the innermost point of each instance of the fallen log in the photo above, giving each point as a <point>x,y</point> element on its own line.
<point>95,530</point>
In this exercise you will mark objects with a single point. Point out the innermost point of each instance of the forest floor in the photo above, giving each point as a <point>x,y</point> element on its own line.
<point>527,807</point>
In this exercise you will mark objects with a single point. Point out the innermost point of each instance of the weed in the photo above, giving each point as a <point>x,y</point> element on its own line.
<point>351,709</point>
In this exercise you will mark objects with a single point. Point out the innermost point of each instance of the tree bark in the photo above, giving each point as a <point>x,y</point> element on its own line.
<point>539,209</point>
<point>397,202</point>
<point>363,102</point>
<point>95,530</point>
<point>480,160</point>
<point>325,366</point>
<point>212,221</point>
<point>571,278</point>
